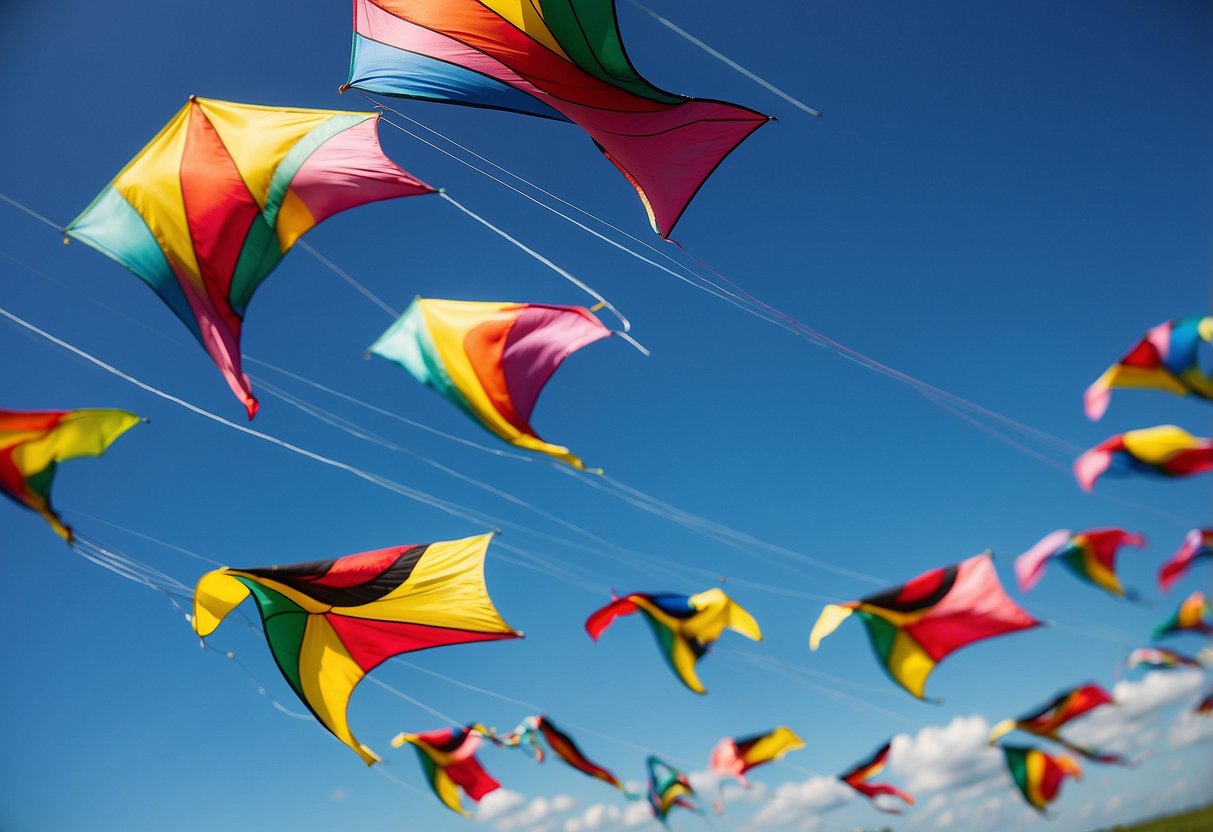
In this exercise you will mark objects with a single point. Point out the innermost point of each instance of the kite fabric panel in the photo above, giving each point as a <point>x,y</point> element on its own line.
<point>683,625</point>
<point>491,359</point>
<point>329,623</point>
<point>668,787</point>
<point>734,757</point>
<point>33,443</point>
<point>1091,555</point>
<point>562,746</point>
<point>557,59</point>
<point>1167,358</point>
<point>914,626</point>
<point>1159,658</point>
<point>1205,706</point>
<point>1197,545</point>
<point>1039,775</point>
<point>206,210</point>
<point>1047,721</point>
<point>448,758</point>
<point>1193,616</point>
<point>858,777</point>
<point>1163,451</point>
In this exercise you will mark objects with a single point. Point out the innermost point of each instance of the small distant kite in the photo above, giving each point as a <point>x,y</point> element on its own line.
<point>557,59</point>
<point>1048,721</point>
<point>1159,658</point>
<point>668,787</point>
<point>1205,706</point>
<point>734,757</point>
<point>857,778</point>
<point>1164,451</point>
<point>1039,775</point>
<point>1197,545</point>
<point>448,758</point>
<point>1193,616</point>
<point>684,626</point>
<point>206,210</point>
<point>33,443</point>
<point>1091,555</point>
<point>914,626</point>
<point>329,623</point>
<point>1166,359</point>
<point>533,727</point>
<point>491,359</point>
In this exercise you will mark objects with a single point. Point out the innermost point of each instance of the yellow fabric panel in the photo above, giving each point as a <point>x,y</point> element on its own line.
<point>831,616</point>
<point>716,612</point>
<point>309,604</point>
<point>216,594</point>
<point>83,433</point>
<point>1135,377</point>
<point>1156,445</point>
<point>1035,765</point>
<point>1002,729</point>
<point>777,743</point>
<point>258,138</point>
<point>1198,381</point>
<point>294,220</point>
<point>524,15</point>
<point>909,664</point>
<point>442,783</point>
<point>151,183</point>
<point>328,676</point>
<point>446,589</point>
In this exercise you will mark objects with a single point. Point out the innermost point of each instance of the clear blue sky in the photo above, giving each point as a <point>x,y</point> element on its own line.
<point>998,200</point>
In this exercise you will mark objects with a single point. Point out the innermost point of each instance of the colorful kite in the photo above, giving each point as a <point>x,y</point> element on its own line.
<point>491,359</point>
<point>1091,555</point>
<point>668,787</point>
<point>1189,618</point>
<point>734,757</point>
<point>557,59</point>
<point>33,443</point>
<point>1164,451</point>
<point>206,210</point>
<point>329,623</point>
<point>683,625</point>
<point>448,758</point>
<point>1165,359</point>
<point>1067,706</point>
<point>1205,706</point>
<point>1159,658</point>
<point>1197,545</point>
<point>1039,775</point>
<point>857,778</point>
<point>534,727</point>
<point>914,626</point>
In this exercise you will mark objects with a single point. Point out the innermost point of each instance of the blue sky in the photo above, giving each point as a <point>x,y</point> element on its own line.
<point>997,201</point>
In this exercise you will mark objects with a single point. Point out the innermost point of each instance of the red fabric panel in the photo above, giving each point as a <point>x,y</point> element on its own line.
<point>370,642</point>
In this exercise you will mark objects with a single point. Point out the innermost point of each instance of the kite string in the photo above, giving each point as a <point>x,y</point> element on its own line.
<point>348,278</point>
<point>20,207</point>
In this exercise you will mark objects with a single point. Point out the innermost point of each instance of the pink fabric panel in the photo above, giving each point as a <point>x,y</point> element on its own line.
<point>1160,337</point>
<point>725,761</point>
<point>1089,467</point>
<point>222,343</point>
<point>349,170</point>
<point>1030,566</point>
<point>540,339</point>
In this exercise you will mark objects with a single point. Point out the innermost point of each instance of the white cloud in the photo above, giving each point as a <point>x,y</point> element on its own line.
<point>796,805</point>
<point>539,815</point>
<point>1189,729</point>
<point>598,816</point>
<point>1134,722</point>
<point>497,804</point>
<point>949,758</point>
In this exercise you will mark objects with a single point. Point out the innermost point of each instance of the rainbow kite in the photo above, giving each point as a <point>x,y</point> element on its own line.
<point>1091,555</point>
<point>668,787</point>
<point>1159,658</point>
<point>1166,359</point>
<point>1164,451</point>
<point>683,625</point>
<point>533,727</point>
<point>557,59</point>
<point>1197,545</point>
<point>491,359</point>
<point>857,778</point>
<point>33,443</point>
<point>1189,618</point>
<point>206,210</point>
<point>1038,775</point>
<point>448,758</point>
<point>329,623</point>
<point>734,757</point>
<point>1047,721</point>
<point>914,626</point>
<point>1205,706</point>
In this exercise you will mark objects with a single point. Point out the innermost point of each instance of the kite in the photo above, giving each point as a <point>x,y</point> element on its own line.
<point>734,757</point>
<point>1189,618</point>
<point>683,625</point>
<point>1159,658</point>
<point>1046,722</point>
<point>491,359</point>
<point>914,626</point>
<point>1165,359</point>
<point>206,210</point>
<point>561,744</point>
<point>1197,545</point>
<point>1039,775</point>
<point>556,59</point>
<point>1165,451</point>
<point>668,787</point>
<point>33,443</point>
<point>857,778</point>
<point>1091,555</point>
<point>1205,706</point>
<point>329,623</point>
<point>448,758</point>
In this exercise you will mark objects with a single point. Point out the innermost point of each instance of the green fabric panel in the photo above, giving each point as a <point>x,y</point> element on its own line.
<point>588,31</point>
<point>40,483</point>
<point>665,639</point>
<point>285,623</point>
<point>258,258</point>
<point>299,154</point>
<point>1017,764</point>
<point>881,633</point>
<point>1077,564</point>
